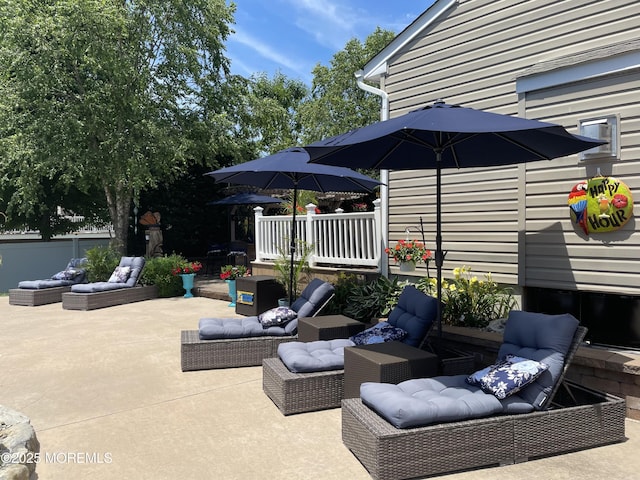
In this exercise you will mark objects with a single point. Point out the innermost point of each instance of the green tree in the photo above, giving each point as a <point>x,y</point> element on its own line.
<point>271,111</point>
<point>110,97</point>
<point>336,103</point>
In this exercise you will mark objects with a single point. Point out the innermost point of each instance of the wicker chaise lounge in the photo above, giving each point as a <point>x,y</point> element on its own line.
<point>564,416</point>
<point>243,342</point>
<point>307,376</point>
<point>33,293</point>
<point>121,288</point>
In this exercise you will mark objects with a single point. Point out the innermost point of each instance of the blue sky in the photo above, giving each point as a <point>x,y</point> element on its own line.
<point>292,36</point>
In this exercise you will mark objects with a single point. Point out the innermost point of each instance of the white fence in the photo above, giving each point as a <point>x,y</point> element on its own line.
<point>337,239</point>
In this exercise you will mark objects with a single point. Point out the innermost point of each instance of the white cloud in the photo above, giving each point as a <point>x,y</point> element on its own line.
<point>268,52</point>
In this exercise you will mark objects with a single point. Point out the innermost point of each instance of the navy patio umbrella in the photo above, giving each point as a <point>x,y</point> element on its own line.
<point>447,136</point>
<point>246,198</point>
<point>289,169</point>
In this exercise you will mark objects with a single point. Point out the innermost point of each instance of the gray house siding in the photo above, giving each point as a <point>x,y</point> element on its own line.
<point>514,221</point>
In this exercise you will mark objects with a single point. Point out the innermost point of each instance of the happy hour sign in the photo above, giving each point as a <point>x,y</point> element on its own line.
<point>599,205</point>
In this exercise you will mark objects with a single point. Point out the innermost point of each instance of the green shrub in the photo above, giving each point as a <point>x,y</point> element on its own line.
<point>158,271</point>
<point>101,262</point>
<point>374,299</point>
<point>345,284</point>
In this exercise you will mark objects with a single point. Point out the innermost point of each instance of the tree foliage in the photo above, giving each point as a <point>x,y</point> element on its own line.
<point>108,97</point>
<point>336,104</point>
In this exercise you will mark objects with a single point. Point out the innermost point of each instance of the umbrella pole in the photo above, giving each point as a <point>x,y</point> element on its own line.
<point>292,247</point>
<point>439,255</point>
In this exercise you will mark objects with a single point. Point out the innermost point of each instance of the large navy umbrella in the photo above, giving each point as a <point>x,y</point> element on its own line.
<point>289,169</point>
<point>246,198</point>
<point>447,136</point>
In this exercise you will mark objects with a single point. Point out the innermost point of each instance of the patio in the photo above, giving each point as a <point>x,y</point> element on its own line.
<point>107,383</point>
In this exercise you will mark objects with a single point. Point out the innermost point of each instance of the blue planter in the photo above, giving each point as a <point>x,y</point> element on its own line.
<point>232,292</point>
<point>187,283</point>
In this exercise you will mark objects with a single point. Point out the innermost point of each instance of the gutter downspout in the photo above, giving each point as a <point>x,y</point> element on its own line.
<point>384,174</point>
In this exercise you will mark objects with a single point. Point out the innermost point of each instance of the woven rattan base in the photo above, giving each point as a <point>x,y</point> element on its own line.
<point>199,354</point>
<point>91,301</point>
<point>390,453</point>
<point>301,392</point>
<point>33,298</point>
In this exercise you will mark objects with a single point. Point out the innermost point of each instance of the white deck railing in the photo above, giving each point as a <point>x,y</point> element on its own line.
<point>336,239</point>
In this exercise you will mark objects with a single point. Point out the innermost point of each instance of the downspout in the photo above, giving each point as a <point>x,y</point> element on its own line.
<point>384,174</point>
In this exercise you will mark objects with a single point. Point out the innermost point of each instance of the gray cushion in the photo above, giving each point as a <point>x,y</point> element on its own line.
<point>97,287</point>
<point>136,264</point>
<point>321,355</point>
<point>216,328</point>
<point>426,401</point>
<point>540,337</point>
<point>40,284</point>
<point>76,264</point>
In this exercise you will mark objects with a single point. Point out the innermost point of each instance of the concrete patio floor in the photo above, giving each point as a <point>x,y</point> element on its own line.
<point>107,384</point>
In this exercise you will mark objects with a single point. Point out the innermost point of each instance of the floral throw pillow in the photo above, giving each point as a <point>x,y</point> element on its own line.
<point>120,275</point>
<point>379,333</point>
<point>508,376</point>
<point>68,274</point>
<point>277,317</point>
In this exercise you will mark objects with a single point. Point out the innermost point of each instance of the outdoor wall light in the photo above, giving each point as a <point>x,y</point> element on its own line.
<point>605,129</point>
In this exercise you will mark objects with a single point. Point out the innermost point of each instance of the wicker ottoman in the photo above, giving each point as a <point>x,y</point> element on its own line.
<point>390,362</point>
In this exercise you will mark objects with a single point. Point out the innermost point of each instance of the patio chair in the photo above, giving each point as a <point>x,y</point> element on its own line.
<point>432,426</point>
<point>243,342</point>
<point>307,376</point>
<point>41,292</point>
<point>122,287</point>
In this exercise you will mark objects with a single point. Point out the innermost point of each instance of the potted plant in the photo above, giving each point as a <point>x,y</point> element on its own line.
<point>407,253</point>
<point>187,270</point>
<point>301,270</point>
<point>229,273</point>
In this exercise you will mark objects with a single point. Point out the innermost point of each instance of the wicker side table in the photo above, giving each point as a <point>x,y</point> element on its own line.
<point>390,362</point>
<point>327,327</point>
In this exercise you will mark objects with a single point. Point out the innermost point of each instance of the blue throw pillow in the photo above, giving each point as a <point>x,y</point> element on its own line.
<point>379,333</point>
<point>508,376</point>
<point>277,317</point>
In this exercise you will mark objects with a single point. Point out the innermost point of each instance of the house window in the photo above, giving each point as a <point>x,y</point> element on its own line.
<point>605,129</point>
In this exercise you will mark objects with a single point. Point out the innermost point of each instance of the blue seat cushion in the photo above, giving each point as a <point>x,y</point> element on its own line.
<point>218,328</point>
<point>41,284</point>
<point>96,287</point>
<point>415,314</point>
<point>318,356</point>
<point>427,401</point>
<point>312,298</point>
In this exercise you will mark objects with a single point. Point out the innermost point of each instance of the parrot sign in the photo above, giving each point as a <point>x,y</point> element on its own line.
<point>601,204</point>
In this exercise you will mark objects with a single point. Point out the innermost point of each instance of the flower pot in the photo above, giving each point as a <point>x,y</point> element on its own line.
<point>232,291</point>
<point>283,302</point>
<point>187,283</point>
<point>407,266</point>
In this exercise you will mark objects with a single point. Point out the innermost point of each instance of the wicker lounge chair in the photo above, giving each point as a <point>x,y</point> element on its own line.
<point>244,342</point>
<point>33,293</point>
<point>321,385</point>
<point>576,418</point>
<point>121,288</point>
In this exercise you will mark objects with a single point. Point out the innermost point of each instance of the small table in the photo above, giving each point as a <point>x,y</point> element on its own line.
<point>389,362</point>
<point>257,294</point>
<point>327,327</point>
